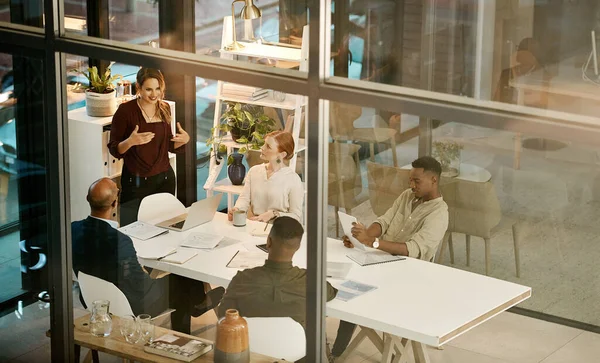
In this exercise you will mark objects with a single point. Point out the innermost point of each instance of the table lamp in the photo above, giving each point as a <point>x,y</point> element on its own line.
<point>249,12</point>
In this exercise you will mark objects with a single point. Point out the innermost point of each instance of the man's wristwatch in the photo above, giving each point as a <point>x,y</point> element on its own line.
<point>376,243</point>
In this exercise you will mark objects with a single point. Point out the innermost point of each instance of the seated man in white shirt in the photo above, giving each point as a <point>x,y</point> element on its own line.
<point>414,226</point>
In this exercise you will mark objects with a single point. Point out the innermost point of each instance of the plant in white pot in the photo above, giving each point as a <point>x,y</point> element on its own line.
<point>247,125</point>
<point>100,95</point>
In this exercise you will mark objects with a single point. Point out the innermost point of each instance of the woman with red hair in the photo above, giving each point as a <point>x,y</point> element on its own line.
<point>272,189</point>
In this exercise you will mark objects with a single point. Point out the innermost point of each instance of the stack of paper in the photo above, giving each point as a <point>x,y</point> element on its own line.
<point>142,230</point>
<point>254,93</point>
<point>201,241</point>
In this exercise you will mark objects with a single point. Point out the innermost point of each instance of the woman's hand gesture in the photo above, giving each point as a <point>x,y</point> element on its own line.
<point>140,138</point>
<point>181,137</point>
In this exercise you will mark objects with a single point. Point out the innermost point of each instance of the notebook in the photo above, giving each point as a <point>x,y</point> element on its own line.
<point>244,260</point>
<point>181,256</point>
<point>372,257</point>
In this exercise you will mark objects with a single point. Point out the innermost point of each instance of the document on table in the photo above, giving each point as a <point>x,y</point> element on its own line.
<point>244,260</point>
<point>182,255</point>
<point>373,257</point>
<point>201,240</point>
<point>338,270</point>
<point>142,230</point>
<point>351,289</point>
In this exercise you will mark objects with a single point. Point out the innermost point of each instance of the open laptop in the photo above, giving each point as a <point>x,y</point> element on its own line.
<point>200,212</point>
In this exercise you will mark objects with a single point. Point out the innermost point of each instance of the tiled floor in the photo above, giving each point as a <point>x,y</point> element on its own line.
<point>507,338</point>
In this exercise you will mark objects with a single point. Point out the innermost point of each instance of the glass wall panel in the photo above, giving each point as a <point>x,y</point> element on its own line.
<point>540,54</point>
<point>29,13</point>
<point>257,113</point>
<point>276,38</point>
<point>533,224</point>
<point>24,245</point>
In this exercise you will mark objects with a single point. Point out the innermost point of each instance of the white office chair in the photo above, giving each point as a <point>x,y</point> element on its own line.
<point>156,208</point>
<point>281,338</point>
<point>93,288</point>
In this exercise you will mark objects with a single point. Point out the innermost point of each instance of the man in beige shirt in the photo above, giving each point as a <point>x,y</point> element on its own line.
<point>414,226</point>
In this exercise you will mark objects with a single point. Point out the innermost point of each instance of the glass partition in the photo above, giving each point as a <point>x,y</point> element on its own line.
<point>24,244</point>
<point>540,54</point>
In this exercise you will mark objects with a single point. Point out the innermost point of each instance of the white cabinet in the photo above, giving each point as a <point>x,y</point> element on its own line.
<point>89,159</point>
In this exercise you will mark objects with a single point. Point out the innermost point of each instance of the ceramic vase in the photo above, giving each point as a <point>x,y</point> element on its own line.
<point>236,171</point>
<point>232,339</point>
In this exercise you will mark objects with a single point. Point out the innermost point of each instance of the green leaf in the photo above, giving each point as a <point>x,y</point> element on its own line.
<point>222,148</point>
<point>242,140</point>
<point>230,160</point>
<point>238,107</point>
<point>242,150</point>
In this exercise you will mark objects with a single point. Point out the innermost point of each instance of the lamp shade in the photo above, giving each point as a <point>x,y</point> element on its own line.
<point>250,11</point>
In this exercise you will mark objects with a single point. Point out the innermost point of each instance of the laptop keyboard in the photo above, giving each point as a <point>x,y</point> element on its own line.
<point>178,224</point>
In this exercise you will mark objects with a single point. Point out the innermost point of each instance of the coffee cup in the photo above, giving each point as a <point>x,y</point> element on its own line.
<point>239,218</point>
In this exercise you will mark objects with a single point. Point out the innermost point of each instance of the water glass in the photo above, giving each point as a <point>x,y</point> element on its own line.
<point>130,329</point>
<point>146,328</point>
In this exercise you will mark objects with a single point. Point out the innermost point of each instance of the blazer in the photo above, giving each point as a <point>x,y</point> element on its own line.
<point>104,252</point>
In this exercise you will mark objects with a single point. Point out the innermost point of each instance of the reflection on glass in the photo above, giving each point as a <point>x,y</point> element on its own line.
<point>503,221</point>
<point>24,297</point>
<point>539,54</point>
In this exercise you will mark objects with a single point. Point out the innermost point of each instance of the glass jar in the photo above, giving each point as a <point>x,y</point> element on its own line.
<point>100,321</point>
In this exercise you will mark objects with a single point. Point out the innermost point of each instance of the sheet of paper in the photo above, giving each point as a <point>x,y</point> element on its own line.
<point>244,259</point>
<point>201,240</point>
<point>345,295</point>
<point>226,242</point>
<point>338,270</point>
<point>351,289</point>
<point>142,230</point>
<point>182,255</point>
<point>155,251</point>
<point>346,222</point>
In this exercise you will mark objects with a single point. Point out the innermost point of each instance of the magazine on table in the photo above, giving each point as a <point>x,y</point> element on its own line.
<point>178,347</point>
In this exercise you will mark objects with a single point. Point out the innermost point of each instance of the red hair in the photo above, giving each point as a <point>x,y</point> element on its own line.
<point>285,142</point>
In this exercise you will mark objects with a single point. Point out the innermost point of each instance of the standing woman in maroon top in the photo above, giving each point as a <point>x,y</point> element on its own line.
<point>141,135</point>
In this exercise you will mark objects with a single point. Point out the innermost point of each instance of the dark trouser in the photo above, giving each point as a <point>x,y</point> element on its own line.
<point>344,335</point>
<point>184,293</point>
<point>135,188</point>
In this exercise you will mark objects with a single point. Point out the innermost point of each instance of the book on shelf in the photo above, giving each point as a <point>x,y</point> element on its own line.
<point>178,347</point>
<point>245,91</point>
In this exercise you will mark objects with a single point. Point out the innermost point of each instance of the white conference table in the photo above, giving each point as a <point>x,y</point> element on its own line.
<point>423,302</point>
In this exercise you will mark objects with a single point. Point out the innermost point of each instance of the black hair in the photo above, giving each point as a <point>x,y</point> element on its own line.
<point>286,231</point>
<point>427,163</point>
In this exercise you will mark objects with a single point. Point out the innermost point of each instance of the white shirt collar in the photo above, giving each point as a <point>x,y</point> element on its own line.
<point>112,223</point>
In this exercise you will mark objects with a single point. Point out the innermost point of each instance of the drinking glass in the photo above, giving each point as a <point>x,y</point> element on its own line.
<point>130,328</point>
<point>146,328</point>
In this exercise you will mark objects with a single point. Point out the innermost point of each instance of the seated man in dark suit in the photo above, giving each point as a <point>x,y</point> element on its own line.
<point>276,289</point>
<point>100,250</point>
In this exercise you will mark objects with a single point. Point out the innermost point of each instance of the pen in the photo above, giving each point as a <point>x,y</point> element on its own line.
<point>267,223</point>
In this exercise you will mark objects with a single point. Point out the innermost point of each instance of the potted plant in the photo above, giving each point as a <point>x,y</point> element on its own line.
<point>100,95</point>
<point>448,154</point>
<point>247,125</point>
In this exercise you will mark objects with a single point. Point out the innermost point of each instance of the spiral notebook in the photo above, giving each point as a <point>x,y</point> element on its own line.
<point>372,257</point>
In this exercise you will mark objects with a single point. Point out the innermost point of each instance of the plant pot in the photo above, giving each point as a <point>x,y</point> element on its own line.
<point>100,104</point>
<point>237,133</point>
<point>236,171</point>
<point>232,345</point>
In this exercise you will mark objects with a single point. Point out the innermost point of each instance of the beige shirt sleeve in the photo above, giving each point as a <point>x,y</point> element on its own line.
<point>423,244</point>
